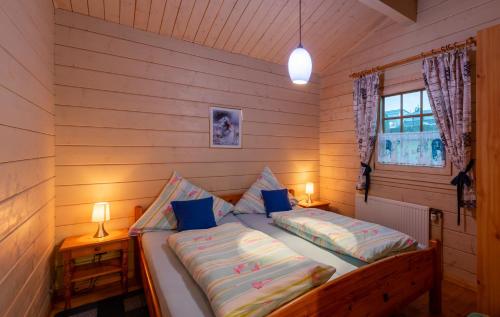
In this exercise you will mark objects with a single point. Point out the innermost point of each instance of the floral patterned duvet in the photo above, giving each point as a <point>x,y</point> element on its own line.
<point>363,240</point>
<point>245,272</point>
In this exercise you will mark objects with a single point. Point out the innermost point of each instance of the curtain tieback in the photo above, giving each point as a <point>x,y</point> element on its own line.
<point>366,173</point>
<point>460,180</point>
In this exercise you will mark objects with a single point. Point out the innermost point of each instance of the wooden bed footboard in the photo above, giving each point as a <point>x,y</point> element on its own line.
<point>376,289</point>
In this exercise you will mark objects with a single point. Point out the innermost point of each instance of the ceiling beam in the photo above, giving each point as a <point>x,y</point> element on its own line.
<point>402,11</point>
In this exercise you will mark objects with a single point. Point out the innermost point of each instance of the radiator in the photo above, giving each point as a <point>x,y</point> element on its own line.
<point>405,217</point>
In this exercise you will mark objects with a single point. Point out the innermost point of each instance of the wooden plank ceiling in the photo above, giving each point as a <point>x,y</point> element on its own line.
<point>264,29</point>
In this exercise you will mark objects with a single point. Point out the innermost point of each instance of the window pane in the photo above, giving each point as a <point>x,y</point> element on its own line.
<point>392,106</point>
<point>429,124</point>
<point>392,126</point>
<point>411,124</point>
<point>411,103</point>
<point>426,104</point>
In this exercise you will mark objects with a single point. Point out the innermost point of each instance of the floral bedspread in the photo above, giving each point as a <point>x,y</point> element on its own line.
<point>363,240</point>
<point>245,272</point>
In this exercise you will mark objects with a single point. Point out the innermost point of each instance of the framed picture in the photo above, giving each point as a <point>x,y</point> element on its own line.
<point>225,127</point>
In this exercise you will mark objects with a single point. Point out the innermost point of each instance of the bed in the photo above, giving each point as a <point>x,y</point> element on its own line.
<point>356,289</point>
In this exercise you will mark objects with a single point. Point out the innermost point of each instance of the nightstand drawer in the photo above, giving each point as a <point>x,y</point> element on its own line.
<point>91,250</point>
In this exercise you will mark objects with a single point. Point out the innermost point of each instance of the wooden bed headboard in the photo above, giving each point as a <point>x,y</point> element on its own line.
<point>232,199</point>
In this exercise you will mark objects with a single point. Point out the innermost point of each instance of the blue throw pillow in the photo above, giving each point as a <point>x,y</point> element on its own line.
<point>276,200</point>
<point>194,214</point>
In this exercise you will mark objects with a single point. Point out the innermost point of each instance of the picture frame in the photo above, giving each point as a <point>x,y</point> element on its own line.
<point>226,125</point>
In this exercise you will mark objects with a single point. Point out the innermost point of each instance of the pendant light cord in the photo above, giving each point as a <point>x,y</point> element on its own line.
<point>300,23</point>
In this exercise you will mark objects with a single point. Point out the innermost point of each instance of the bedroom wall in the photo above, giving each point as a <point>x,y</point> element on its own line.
<point>440,22</point>
<point>132,106</point>
<point>27,156</point>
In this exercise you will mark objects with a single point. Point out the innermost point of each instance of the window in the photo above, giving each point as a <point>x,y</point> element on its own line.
<point>410,135</point>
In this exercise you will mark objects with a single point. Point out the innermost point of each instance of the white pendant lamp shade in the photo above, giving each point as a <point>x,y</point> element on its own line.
<point>300,66</point>
<point>299,62</point>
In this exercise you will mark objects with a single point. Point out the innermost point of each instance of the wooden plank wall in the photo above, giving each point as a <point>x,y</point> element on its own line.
<point>27,156</point>
<point>440,22</point>
<point>132,106</point>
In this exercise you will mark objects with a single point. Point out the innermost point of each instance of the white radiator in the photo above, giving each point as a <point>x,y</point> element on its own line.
<point>405,217</point>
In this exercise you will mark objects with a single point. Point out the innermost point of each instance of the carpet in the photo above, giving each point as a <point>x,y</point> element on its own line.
<point>132,304</point>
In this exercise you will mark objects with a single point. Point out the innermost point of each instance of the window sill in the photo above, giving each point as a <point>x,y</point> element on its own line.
<point>415,176</point>
<point>445,170</point>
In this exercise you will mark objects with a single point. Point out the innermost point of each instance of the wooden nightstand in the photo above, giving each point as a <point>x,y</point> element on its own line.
<point>315,204</point>
<point>83,246</point>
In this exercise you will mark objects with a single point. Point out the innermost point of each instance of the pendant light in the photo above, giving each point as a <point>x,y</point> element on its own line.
<point>299,62</point>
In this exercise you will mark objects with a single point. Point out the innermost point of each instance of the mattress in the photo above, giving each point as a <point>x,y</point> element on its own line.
<point>179,295</point>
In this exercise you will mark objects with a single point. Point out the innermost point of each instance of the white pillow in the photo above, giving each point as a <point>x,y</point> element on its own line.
<point>160,215</point>
<point>251,202</point>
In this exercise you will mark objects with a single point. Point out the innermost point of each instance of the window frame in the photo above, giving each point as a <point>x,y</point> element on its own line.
<point>381,169</point>
<point>401,117</point>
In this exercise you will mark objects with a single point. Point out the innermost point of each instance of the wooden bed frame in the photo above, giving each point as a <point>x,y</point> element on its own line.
<point>376,289</point>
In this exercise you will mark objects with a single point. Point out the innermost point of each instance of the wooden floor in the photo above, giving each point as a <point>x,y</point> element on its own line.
<point>457,301</point>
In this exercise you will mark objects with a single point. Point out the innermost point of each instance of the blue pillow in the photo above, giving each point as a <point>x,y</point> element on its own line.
<point>194,214</point>
<point>276,200</point>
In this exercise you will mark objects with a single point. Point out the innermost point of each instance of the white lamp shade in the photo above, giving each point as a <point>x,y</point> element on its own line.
<point>309,188</point>
<point>100,212</point>
<point>300,66</point>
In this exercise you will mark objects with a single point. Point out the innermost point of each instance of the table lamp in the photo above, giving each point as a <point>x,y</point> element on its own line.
<point>309,192</point>
<point>99,215</point>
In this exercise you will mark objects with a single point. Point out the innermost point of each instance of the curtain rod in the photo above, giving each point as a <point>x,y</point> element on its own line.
<point>469,42</point>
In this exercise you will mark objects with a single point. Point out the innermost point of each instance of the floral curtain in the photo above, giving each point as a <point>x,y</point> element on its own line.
<point>366,97</point>
<point>447,78</point>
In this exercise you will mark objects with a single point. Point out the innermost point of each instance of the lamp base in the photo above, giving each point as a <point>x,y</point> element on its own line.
<point>101,232</point>
<point>309,200</point>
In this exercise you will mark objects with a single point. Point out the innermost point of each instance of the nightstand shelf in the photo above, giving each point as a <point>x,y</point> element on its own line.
<point>94,270</point>
<point>74,248</point>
